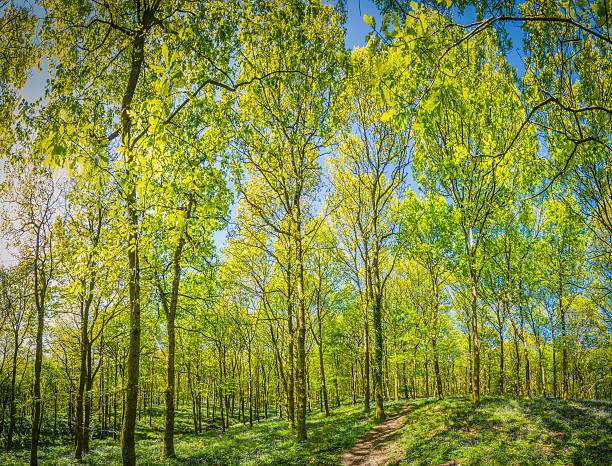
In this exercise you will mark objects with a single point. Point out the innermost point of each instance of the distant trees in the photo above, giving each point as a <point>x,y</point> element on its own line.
<point>31,196</point>
<point>369,171</point>
<point>430,234</point>
<point>466,153</point>
<point>286,124</point>
<point>17,318</point>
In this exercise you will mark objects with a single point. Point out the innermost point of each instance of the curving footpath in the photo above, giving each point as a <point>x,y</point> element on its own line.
<point>371,449</point>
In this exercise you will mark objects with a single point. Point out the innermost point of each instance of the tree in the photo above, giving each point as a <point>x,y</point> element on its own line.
<point>371,168</point>
<point>465,153</point>
<point>430,230</point>
<point>192,201</point>
<point>566,44</point>
<point>32,195</point>
<point>286,123</point>
<point>85,256</point>
<point>20,54</point>
<point>565,245</point>
<point>135,44</point>
<point>16,300</point>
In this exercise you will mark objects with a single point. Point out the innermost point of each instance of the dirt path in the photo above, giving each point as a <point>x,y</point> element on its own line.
<point>371,449</point>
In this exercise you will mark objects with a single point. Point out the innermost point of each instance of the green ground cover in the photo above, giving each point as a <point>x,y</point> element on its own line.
<point>507,431</point>
<point>268,442</point>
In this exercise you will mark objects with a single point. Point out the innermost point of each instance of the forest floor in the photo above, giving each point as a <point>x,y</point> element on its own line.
<point>371,449</point>
<point>536,431</point>
<point>416,432</point>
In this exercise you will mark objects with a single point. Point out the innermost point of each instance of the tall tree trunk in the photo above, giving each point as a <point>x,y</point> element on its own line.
<point>434,341</point>
<point>37,401</point>
<point>554,358</point>
<point>301,330</point>
<point>170,312</point>
<point>515,331</point>
<point>426,364</point>
<point>88,400</point>
<point>376,296</point>
<point>83,374</point>
<point>469,379</point>
<point>565,390</point>
<point>396,380</point>
<point>250,388</point>
<point>542,373</point>
<point>475,340</point>
<point>290,362</point>
<point>519,388</point>
<point>115,391</point>
<point>404,379</point>
<point>11,427</point>
<point>527,366</point>
<point>354,381</point>
<point>436,361</point>
<point>40,292</point>
<point>168,446</point>
<point>366,358</point>
<point>128,445</point>
<point>321,365</point>
<point>501,356</point>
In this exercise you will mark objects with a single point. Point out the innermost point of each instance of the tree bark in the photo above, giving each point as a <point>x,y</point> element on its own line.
<point>565,390</point>
<point>128,445</point>
<point>501,351</point>
<point>376,296</point>
<point>475,341</point>
<point>80,428</point>
<point>434,342</point>
<point>41,278</point>
<point>11,427</point>
<point>321,365</point>
<point>366,358</point>
<point>290,362</point>
<point>170,313</point>
<point>474,321</point>
<point>301,330</point>
<point>250,388</point>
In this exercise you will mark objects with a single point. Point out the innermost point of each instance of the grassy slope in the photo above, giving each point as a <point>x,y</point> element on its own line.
<point>499,431</point>
<point>507,431</point>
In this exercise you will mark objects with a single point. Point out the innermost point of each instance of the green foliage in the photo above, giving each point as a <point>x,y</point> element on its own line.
<point>158,116</point>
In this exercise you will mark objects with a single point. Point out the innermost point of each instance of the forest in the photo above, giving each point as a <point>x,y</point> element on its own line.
<point>229,237</point>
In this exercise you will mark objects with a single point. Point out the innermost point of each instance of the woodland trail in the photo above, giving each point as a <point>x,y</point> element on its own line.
<point>371,449</point>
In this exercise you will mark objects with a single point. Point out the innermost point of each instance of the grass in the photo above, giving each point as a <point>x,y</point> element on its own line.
<point>507,431</point>
<point>268,442</point>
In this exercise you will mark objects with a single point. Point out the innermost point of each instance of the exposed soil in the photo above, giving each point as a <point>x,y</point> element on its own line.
<point>372,448</point>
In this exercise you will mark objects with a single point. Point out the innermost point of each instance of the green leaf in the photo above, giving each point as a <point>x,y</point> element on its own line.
<point>58,149</point>
<point>165,53</point>
<point>385,117</point>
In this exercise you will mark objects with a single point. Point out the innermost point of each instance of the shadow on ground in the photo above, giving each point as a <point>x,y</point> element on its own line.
<point>508,430</point>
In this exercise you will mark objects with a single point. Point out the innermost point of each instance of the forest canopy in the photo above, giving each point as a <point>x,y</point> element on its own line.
<point>219,206</point>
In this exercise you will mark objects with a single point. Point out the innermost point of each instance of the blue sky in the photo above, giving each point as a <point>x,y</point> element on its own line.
<point>356,29</point>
